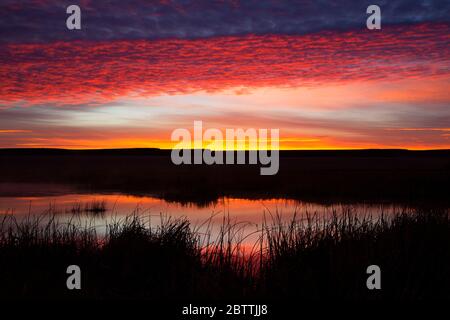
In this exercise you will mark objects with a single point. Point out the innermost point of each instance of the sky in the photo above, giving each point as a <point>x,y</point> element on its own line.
<point>137,70</point>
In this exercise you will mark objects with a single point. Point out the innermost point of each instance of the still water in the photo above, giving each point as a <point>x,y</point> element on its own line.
<point>99,209</point>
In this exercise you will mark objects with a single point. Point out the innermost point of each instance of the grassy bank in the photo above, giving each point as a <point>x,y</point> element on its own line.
<point>304,258</point>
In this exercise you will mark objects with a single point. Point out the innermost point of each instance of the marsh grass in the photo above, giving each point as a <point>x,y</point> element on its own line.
<point>305,257</point>
<point>94,207</point>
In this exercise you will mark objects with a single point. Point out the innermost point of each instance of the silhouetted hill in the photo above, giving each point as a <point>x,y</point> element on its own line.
<point>283,153</point>
<point>322,176</point>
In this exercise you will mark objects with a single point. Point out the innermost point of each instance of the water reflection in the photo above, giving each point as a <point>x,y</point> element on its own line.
<point>98,210</point>
<point>105,206</point>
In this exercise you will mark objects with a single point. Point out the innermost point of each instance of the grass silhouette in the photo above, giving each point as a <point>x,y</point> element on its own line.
<point>307,257</point>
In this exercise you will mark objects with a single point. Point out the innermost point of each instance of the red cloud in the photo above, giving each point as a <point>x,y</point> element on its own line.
<point>81,72</point>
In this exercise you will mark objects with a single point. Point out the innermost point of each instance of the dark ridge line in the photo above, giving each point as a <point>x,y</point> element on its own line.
<point>167,152</point>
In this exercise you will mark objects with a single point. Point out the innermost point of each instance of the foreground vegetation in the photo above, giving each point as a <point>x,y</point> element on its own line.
<point>305,258</point>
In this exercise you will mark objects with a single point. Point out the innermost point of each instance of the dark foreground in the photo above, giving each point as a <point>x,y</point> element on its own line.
<point>400,176</point>
<point>310,260</point>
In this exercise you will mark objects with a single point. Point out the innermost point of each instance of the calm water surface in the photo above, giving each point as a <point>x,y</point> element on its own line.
<point>60,201</point>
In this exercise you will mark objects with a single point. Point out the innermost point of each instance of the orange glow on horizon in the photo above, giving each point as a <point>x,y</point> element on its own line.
<point>168,145</point>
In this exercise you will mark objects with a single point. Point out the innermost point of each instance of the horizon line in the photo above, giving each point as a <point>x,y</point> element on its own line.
<point>246,150</point>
